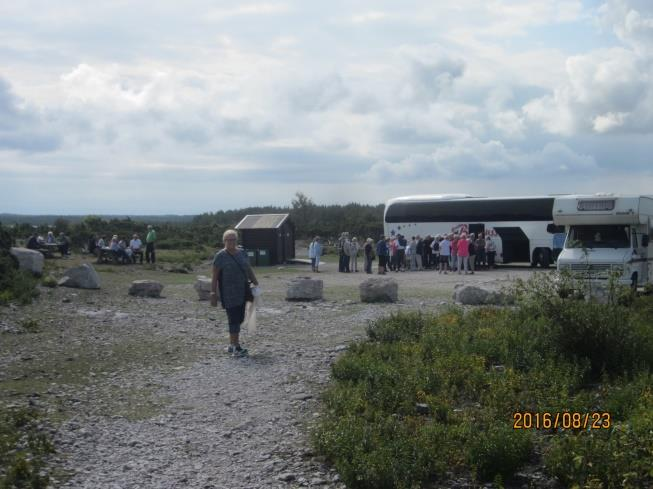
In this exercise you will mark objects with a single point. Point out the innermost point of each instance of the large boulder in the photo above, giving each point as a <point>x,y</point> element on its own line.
<point>304,289</point>
<point>146,288</point>
<point>203,287</point>
<point>475,295</point>
<point>82,277</point>
<point>379,290</point>
<point>30,260</point>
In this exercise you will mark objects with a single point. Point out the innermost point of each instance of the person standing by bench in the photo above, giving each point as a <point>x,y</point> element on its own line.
<point>150,255</point>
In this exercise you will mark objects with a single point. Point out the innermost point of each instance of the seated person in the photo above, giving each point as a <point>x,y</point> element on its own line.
<point>92,244</point>
<point>128,251</point>
<point>33,243</point>
<point>102,242</point>
<point>40,240</point>
<point>64,244</point>
<point>117,249</point>
<point>50,238</point>
<point>136,246</point>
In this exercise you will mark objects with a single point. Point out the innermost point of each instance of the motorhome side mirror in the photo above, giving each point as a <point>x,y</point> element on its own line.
<point>644,240</point>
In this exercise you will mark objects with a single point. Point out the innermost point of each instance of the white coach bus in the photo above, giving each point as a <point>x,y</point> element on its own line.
<point>607,234</point>
<point>521,227</point>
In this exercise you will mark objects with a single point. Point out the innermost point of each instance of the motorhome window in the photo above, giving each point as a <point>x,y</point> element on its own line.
<point>595,205</point>
<point>607,236</point>
<point>466,211</point>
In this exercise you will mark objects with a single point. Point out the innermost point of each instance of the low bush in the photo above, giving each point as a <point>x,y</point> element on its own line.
<point>15,285</point>
<point>24,448</point>
<point>427,398</point>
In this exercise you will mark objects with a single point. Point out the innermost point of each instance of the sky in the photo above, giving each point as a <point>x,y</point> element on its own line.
<point>174,107</point>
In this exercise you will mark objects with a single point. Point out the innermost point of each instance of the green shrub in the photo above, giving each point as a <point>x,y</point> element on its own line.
<point>469,373</point>
<point>49,281</point>
<point>500,450</point>
<point>30,325</point>
<point>15,285</point>
<point>23,450</point>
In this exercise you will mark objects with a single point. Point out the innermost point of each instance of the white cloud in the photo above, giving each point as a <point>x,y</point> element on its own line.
<point>631,21</point>
<point>404,96</point>
<point>470,159</point>
<point>246,10</point>
<point>366,17</point>
<point>599,86</point>
<point>609,121</point>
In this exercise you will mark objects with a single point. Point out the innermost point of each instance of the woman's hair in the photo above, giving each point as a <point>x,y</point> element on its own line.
<point>228,233</point>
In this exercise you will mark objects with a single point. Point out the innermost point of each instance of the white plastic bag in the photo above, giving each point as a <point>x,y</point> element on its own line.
<point>250,311</point>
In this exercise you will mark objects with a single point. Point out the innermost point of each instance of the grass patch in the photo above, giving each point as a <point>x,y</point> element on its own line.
<point>428,398</point>
<point>190,257</point>
<point>24,448</point>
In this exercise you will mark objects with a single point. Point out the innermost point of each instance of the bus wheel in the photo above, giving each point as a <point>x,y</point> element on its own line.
<point>535,257</point>
<point>545,257</point>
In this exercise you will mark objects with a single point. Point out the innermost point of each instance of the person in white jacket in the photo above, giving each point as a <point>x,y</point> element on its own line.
<point>311,254</point>
<point>314,253</point>
<point>353,254</point>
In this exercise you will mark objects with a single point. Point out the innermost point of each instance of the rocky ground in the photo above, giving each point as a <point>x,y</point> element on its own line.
<point>139,392</point>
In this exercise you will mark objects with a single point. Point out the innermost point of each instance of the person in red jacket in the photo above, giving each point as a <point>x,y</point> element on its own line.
<point>463,254</point>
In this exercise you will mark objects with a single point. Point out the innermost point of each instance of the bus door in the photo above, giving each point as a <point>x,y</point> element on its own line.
<point>515,245</point>
<point>476,229</point>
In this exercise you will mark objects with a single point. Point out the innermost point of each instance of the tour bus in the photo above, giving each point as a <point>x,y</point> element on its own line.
<point>521,227</point>
<point>607,234</point>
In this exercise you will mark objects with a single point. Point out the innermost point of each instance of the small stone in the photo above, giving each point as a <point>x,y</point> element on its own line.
<point>286,477</point>
<point>379,290</point>
<point>422,408</point>
<point>146,288</point>
<point>302,397</point>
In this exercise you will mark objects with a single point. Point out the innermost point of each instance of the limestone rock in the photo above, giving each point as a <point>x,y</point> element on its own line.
<point>203,287</point>
<point>146,288</point>
<point>82,277</point>
<point>304,289</point>
<point>379,290</point>
<point>475,295</point>
<point>30,260</point>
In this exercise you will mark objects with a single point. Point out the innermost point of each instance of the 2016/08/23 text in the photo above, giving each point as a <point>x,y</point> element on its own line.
<point>525,420</point>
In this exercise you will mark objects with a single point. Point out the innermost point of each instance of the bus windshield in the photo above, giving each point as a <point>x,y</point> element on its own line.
<point>607,236</point>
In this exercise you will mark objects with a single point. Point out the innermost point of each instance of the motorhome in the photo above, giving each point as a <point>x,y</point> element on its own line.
<point>521,227</point>
<point>606,235</point>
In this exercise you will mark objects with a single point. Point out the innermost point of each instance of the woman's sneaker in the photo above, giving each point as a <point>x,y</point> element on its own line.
<point>239,351</point>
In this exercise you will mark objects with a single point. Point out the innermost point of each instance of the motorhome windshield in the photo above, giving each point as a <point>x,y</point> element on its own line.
<point>616,236</point>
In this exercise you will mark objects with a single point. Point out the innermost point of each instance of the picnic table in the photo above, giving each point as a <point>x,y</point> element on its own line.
<point>48,249</point>
<point>106,255</point>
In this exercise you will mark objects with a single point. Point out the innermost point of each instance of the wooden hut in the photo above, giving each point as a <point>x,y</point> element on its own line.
<point>272,232</point>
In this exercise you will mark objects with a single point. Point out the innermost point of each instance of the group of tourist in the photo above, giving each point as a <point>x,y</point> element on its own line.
<point>39,243</point>
<point>458,252</point>
<point>124,251</point>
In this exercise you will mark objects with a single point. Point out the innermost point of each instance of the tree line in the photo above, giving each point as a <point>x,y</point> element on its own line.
<point>206,229</point>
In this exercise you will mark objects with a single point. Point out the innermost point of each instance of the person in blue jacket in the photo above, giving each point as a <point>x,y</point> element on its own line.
<point>383,253</point>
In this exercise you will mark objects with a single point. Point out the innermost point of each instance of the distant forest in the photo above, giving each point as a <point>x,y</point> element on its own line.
<point>187,232</point>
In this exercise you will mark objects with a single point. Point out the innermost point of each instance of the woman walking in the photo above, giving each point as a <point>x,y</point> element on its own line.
<point>231,275</point>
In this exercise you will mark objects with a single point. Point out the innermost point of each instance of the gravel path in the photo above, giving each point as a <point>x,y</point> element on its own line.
<point>144,396</point>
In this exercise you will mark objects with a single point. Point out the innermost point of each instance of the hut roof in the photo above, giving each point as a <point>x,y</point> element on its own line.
<point>262,221</point>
